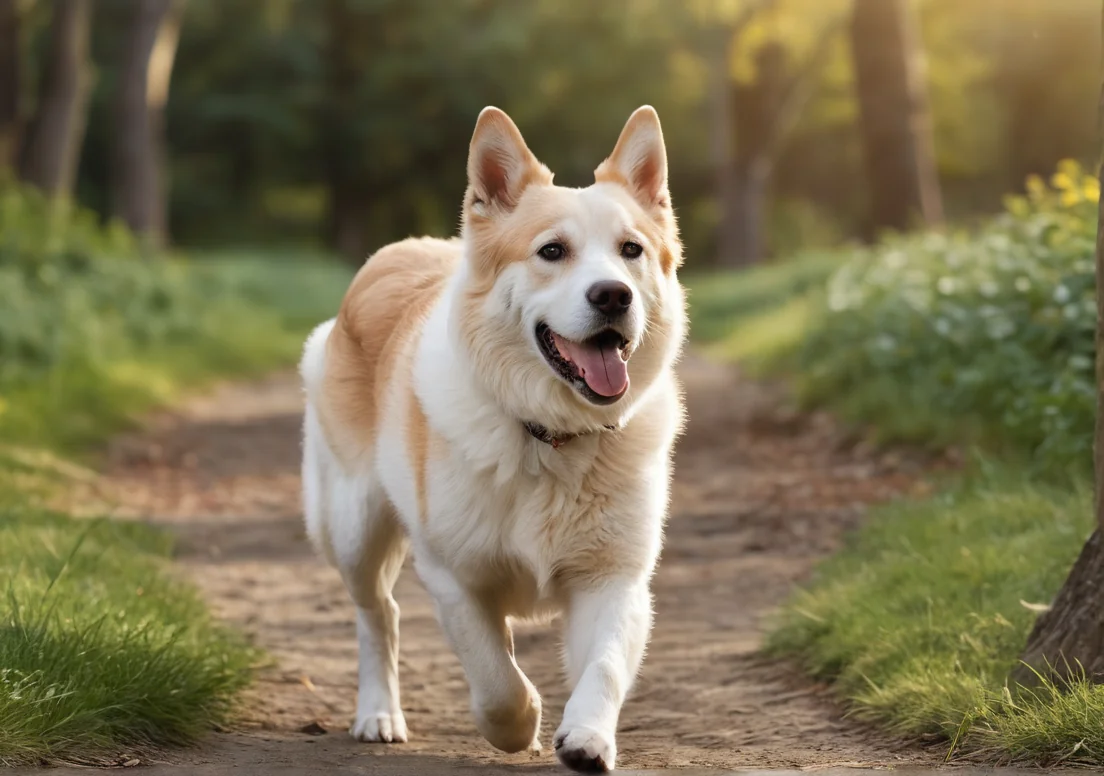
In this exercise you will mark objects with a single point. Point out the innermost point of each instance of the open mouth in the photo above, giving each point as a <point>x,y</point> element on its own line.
<point>597,366</point>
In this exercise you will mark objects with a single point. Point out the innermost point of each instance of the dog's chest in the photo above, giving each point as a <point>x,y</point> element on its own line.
<point>528,524</point>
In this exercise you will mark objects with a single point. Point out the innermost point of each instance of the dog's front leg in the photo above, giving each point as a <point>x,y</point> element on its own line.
<point>607,630</point>
<point>505,703</point>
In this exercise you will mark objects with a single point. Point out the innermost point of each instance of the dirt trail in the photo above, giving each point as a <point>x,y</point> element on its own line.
<point>759,495</point>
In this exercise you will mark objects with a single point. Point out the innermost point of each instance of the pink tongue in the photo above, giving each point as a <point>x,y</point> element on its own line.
<point>602,368</point>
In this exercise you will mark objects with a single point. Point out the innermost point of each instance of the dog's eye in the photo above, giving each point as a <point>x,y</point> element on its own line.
<point>631,250</point>
<point>552,251</point>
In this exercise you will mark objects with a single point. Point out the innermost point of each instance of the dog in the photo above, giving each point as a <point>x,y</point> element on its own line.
<point>504,406</point>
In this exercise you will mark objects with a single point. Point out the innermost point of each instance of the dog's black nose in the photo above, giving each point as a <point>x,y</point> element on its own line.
<point>610,297</point>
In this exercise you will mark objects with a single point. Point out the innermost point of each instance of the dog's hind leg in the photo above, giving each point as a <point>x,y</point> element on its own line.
<point>353,525</point>
<point>370,577</point>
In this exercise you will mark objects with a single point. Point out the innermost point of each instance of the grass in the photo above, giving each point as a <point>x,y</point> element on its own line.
<point>980,340</point>
<point>102,650</point>
<point>759,316</point>
<point>918,621</point>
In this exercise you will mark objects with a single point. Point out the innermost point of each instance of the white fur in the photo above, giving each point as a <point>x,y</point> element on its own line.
<point>513,528</point>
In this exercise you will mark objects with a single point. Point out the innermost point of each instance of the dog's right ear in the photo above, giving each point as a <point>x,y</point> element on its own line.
<point>500,165</point>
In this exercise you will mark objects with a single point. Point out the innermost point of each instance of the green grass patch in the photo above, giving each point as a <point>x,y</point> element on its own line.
<point>99,647</point>
<point>918,621</point>
<point>759,316</point>
<point>101,650</point>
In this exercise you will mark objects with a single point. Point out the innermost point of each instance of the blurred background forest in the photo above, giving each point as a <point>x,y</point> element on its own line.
<point>343,124</point>
<point>890,204</point>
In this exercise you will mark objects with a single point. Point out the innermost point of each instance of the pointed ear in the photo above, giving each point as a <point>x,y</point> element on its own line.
<point>639,160</point>
<point>500,165</point>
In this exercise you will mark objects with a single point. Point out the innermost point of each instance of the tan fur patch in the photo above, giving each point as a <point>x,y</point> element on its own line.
<point>417,441</point>
<point>383,311</point>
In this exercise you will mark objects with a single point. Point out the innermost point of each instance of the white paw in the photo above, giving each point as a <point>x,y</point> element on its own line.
<point>585,750</point>
<point>383,727</point>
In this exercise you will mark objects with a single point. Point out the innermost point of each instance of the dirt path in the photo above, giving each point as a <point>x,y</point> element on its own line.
<point>759,496</point>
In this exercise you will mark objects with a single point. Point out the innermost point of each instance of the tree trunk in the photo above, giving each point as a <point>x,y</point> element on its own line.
<point>9,83</point>
<point>347,195</point>
<point>1068,639</point>
<point>894,117</point>
<point>744,230</point>
<point>51,148</point>
<point>346,227</point>
<point>756,108</point>
<point>722,133</point>
<point>138,198</point>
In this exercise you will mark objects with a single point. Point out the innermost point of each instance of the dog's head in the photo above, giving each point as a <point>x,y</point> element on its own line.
<point>571,306</point>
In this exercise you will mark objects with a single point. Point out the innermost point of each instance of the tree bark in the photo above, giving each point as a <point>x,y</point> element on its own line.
<point>52,145</point>
<point>10,75</point>
<point>894,117</point>
<point>347,216</point>
<point>756,107</point>
<point>138,196</point>
<point>1068,639</point>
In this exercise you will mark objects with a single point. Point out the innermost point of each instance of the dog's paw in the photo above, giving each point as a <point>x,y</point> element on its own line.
<point>584,750</point>
<point>380,728</point>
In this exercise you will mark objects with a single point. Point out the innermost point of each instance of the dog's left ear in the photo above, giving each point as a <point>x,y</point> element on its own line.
<point>639,160</point>
<point>500,165</point>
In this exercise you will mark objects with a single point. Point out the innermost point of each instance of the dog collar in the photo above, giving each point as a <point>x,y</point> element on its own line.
<point>542,434</point>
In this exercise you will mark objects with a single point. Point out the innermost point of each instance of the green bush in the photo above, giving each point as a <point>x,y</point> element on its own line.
<point>971,337</point>
<point>92,329</point>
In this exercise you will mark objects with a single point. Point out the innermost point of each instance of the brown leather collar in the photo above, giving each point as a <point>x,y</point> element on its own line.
<point>542,434</point>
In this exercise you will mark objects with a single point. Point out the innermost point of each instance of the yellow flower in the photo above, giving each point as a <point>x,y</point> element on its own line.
<point>1036,188</point>
<point>1062,181</point>
<point>1071,197</point>
<point>1070,168</point>
<point>1091,189</point>
<point>1017,206</point>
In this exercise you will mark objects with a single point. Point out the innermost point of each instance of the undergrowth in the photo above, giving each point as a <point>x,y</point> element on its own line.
<point>978,339</point>
<point>101,649</point>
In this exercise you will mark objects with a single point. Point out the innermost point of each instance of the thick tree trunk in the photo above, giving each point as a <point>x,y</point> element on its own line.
<point>894,117</point>
<point>52,145</point>
<point>138,198</point>
<point>1068,639</point>
<point>9,83</point>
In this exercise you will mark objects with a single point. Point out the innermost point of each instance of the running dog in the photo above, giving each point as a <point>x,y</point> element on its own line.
<point>504,406</point>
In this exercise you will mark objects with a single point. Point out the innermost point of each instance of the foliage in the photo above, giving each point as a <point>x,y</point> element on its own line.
<point>281,109</point>
<point>918,621</point>
<point>91,331</point>
<point>99,648</point>
<point>972,337</point>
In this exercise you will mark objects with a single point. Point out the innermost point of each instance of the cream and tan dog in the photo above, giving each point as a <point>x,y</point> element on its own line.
<point>504,405</point>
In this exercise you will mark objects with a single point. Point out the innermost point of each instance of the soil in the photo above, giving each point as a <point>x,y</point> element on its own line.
<point>761,493</point>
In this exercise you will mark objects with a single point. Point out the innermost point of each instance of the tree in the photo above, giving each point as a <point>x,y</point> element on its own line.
<point>1068,638</point>
<point>51,148</point>
<point>895,120</point>
<point>9,82</point>
<point>138,194</point>
<point>764,112</point>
